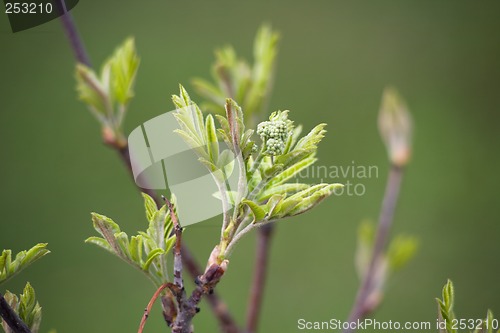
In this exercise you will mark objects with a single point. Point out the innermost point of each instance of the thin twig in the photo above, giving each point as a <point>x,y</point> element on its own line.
<point>178,281</point>
<point>73,35</point>
<point>147,310</point>
<point>220,310</point>
<point>11,317</point>
<point>204,285</point>
<point>361,308</point>
<point>259,277</point>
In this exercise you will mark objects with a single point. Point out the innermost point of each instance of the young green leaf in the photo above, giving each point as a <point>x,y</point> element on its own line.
<point>286,189</point>
<point>312,139</point>
<point>123,65</point>
<point>92,92</point>
<point>26,306</point>
<point>446,306</point>
<point>9,267</point>
<point>235,78</point>
<point>401,250</point>
<point>145,251</point>
<point>259,212</point>
<point>489,321</point>
<point>273,203</point>
<point>291,171</point>
<point>151,256</point>
<point>149,206</point>
<point>312,199</point>
<point>108,94</point>
<point>107,228</point>
<point>212,142</point>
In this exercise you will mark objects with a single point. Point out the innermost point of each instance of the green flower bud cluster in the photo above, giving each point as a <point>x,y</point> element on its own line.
<point>275,132</point>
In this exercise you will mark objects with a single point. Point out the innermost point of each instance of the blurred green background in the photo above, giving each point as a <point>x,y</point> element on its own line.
<point>335,59</point>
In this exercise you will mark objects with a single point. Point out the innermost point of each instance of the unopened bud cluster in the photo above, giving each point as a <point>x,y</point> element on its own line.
<point>274,134</point>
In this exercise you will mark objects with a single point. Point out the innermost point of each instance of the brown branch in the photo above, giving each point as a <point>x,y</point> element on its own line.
<point>204,286</point>
<point>147,310</point>
<point>362,306</point>
<point>12,318</point>
<point>259,278</point>
<point>178,281</point>
<point>72,34</point>
<point>220,310</point>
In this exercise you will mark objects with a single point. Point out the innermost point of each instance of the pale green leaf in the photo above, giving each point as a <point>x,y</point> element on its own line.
<point>284,189</point>
<point>101,242</point>
<point>313,199</point>
<point>212,142</point>
<point>285,207</point>
<point>150,258</point>
<point>29,309</point>
<point>293,138</point>
<point>311,140</point>
<point>107,228</point>
<point>291,171</point>
<point>272,203</point>
<point>135,249</point>
<point>294,156</point>
<point>208,90</point>
<point>9,267</point>
<point>91,91</point>
<point>150,206</point>
<point>122,240</point>
<point>401,250</point>
<point>258,212</point>
<point>123,65</point>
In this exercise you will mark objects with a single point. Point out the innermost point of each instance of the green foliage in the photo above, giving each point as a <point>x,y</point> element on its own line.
<point>145,251</point>
<point>445,306</point>
<point>487,324</point>
<point>270,170</point>
<point>250,86</point>
<point>446,314</point>
<point>9,267</point>
<point>26,306</point>
<point>401,250</point>
<point>264,173</point>
<point>108,94</point>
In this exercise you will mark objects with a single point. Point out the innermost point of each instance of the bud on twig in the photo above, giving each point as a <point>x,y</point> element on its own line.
<point>395,126</point>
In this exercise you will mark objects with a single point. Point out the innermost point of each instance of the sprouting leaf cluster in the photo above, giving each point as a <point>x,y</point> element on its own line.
<point>401,250</point>
<point>446,314</point>
<point>145,251</point>
<point>9,267</point>
<point>27,307</point>
<point>108,93</point>
<point>264,194</point>
<point>249,85</point>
